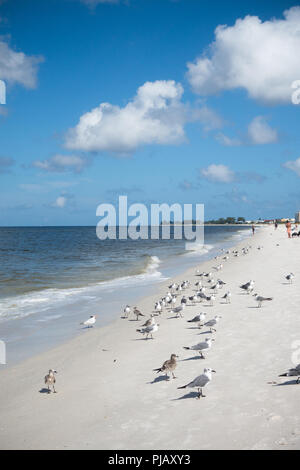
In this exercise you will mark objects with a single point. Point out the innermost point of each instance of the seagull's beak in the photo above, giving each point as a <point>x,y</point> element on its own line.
<point>214,371</point>
<point>55,371</point>
<point>213,339</point>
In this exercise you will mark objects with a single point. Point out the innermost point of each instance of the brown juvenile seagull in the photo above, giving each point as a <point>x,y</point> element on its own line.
<point>168,366</point>
<point>150,321</point>
<point>50,380</point>
<point>137,312</point>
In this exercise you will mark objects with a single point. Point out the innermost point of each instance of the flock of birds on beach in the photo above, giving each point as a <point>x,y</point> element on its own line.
<point>175,302</point>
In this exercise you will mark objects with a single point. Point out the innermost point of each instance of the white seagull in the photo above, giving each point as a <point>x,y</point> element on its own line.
<point>212,323</point>
<point>260,299</point>
<point>90,322</point>
<point>295,372</point>
<point>290,277</point>
<point>200,382</point>
<point>204,346</point>
<point>149,330</point>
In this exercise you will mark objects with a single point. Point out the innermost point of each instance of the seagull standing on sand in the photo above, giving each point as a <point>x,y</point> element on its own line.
<point>227,297</point>
<point>168,366</point>
<point>137,312</point>
<point>210,298</point>
<point>127,311</point>
<point>212,323</point>
<point>295,372</point>
<point>178,310</point>
<point>198,318</point>
<point>90,322</point>
<point>290,277</point>
<point>247,285</point>
<point>204,346</point>
<point>149,330</point>
<point>260,299</point>
<point>200,382</point>
<point>50,380</point>
<point>150,321</point>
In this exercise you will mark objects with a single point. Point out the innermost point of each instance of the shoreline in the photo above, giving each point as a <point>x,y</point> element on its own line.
<point>43,330</point>
<point>109,397</point>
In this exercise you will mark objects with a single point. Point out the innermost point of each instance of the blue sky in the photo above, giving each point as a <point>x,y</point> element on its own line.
<point>192,114</point>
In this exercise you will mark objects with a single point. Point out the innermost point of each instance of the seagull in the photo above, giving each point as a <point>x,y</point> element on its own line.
<point>212,323</point>
<point>247,285</point>
<point>150,321</point>
<point>158,307</point>
<point>127,311</point>
<point>193,299</point>
<point>250,289</point>
<point>290,277</point>
<point>197,318</point>
<point>138,313</point>
<point>89,322</point>
<point>261,299</point>
<point>227,297</point>
<point>204,346</point>
<point>183,300</point>
<point>200,382</point>
<point>149,330</point>
<point>168,366</point>
<point>210,298</point>
<point>50,380</point>
<point>295,372</point>
<point>178,310</point>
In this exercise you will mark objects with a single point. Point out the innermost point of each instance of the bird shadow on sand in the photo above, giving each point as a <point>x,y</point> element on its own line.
<point>172,318</point>
<point>186,396</point>
<point>192,358</point>
<point>44,390</point>
<point>287,382</point>
<point>256,306</point>
<point>160,378</point>
<point>141,339</point>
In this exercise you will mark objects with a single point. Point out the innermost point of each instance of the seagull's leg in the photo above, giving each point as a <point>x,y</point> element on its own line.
<point>199,393</point>
<point>54,391</point>
<point>49,391</point>
<point>202,356</point>
<point>202,394</point>
<point>174,377</point>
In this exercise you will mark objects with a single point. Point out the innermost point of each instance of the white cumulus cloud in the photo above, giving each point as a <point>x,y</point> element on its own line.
<point>293,165</point>
<point>156,115</point>
<point>16,67</point>
<point>260,132</point>
<point>261,57</point>
<point>218,173</point>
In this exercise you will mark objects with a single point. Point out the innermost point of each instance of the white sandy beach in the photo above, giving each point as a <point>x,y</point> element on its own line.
<point>107,397</point>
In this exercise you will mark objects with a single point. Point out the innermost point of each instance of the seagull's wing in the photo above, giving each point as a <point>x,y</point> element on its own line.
<point>199,381</point>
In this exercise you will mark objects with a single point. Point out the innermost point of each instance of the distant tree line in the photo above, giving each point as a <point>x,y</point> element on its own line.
<point>228,220</point>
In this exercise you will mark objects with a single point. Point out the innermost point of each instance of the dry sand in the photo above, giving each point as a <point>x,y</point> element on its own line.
<point>108,397</point>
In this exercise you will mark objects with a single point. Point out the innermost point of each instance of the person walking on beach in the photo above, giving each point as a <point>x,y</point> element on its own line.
<point>253,229</point>
<point>288,228</point>
<point>276,225</point>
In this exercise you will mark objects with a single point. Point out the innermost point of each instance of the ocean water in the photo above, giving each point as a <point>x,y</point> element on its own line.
<point>51,278</point>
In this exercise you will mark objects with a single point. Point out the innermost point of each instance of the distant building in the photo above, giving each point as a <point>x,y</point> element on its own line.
<point>297,217</point>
